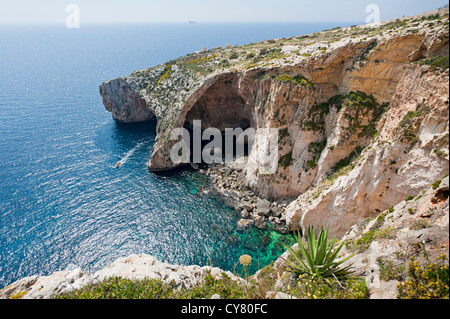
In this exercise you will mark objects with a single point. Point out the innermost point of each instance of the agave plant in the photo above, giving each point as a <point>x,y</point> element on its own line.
<point>319,257</point>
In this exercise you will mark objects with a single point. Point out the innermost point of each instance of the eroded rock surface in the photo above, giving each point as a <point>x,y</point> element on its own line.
<point>362,120</point>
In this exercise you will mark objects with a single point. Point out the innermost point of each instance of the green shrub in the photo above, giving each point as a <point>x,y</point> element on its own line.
<point>316,150</point>
<point>286,160</point>
<point>283,133</point>
<point>225,63</point>
<point>426,281</point>
<point>420,224</point>
<point>18,295</point>
<point>409,122</point>
<point>226,287</point>
<point>319,257</point>
<point>361,105</point>
<point>297,80</point>
<point>311,164</point>
<point>166,74</point>
<point>363,242</point>
<point>119,288</point>
<point>250,56</point>
<point>436,184</point>
<point>381,218</point>
<point>284,78</point>
<point>234,56</point>
<point>330,288</point>
<point>390,271</point>
<point>412,115</point>
<point>302,81</point>
<point>347,161</point>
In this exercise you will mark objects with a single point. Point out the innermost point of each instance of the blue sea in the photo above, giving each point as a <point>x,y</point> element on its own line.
<point>63,204</point>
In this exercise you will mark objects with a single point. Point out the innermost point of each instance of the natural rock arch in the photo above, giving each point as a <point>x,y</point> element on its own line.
<point>220,106</point>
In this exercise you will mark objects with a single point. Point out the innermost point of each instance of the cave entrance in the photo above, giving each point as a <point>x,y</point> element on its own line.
<point>222,109</point>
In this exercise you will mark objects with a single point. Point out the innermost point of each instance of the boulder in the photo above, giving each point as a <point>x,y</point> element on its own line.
<point>263,207</point>
<point>275,211</point>
<point>246,205</point>
<point>279,227</point>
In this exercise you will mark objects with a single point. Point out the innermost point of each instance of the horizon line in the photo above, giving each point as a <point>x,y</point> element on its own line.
<point>193,22</point>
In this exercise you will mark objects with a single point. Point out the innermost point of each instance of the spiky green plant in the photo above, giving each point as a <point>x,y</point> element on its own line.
<point>319,257</point>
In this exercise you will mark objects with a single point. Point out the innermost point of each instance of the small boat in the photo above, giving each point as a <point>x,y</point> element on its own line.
<point>118,164</point>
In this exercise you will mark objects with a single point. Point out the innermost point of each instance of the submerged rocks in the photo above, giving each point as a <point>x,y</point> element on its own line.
<point>244,223</point>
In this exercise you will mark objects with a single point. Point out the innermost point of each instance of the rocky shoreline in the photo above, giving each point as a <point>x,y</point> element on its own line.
<point>229,182</point>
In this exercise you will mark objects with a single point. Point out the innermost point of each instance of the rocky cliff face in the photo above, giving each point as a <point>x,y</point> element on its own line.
<point>383,246</point>
<point>408,154</point>
<point>362,118</point>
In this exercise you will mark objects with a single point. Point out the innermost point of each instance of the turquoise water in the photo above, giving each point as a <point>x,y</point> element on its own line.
<point>63,204</point>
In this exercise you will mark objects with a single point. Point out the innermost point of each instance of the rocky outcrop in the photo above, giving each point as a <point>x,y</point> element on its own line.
<point>120,98</point>
<point>383,246</point>
<point>134,267</point>
<point>154,96</point>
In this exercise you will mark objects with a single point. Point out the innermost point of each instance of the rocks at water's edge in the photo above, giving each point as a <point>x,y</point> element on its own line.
<point>415,225</point>
<point>255,211</point>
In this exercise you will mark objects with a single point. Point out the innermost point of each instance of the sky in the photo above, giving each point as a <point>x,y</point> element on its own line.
<point>155,11</point>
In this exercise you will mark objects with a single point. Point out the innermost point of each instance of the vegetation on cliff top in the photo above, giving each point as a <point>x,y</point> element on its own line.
<point>120,288</point>
<point>293,50</point>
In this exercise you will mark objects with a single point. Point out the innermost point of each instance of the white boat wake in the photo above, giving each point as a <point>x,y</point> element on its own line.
<point>129,154</point>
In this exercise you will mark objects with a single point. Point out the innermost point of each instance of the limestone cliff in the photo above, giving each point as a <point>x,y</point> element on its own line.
<point>384,246</point>
<point>362,117</point>
<point>362,114</point>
